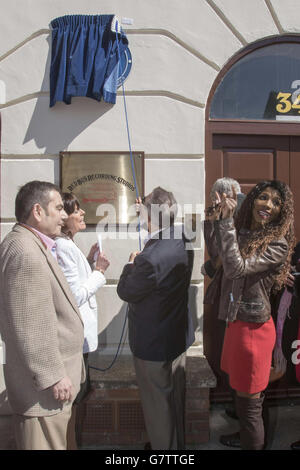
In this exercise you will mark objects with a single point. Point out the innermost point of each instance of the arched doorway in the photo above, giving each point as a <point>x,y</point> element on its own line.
<point>253,133</point>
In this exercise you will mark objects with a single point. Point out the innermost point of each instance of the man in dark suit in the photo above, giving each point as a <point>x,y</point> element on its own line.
<point>155,283</point>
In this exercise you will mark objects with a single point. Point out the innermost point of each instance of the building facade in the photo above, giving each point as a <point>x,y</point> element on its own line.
<point>189,128</point>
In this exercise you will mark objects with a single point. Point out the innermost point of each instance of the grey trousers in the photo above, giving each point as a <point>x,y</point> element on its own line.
<point>162,391</point>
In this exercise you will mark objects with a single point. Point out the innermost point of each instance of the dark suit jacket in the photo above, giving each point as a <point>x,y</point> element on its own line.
<point>156,287</point>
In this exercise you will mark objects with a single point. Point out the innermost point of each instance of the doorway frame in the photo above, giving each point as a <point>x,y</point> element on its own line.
<point>260,126</point>
<point>239,126</point>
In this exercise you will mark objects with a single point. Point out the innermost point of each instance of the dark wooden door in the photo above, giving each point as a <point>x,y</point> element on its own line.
<point>249,159</point>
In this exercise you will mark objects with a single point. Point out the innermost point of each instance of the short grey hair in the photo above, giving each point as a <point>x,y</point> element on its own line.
<point>161,207</point>
<point>224,185</point>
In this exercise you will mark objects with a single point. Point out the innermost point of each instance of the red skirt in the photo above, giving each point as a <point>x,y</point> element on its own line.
<point>247,354</point>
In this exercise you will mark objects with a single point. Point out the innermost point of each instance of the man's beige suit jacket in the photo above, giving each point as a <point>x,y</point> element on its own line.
<point>40,325</point>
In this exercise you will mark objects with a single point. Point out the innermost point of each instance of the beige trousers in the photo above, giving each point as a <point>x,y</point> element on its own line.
<point>42,433</point>
<point>162,391</point>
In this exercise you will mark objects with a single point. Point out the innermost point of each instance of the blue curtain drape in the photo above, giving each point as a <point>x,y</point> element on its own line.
<point>84,58</point>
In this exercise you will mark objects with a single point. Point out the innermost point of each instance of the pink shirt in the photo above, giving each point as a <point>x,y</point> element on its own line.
<point>49,242</point>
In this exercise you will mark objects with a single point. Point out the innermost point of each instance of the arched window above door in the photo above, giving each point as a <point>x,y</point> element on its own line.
<point>263,85</point>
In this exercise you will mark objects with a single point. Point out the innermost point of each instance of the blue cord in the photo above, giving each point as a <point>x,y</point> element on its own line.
<point>116,355</point>
<point>128,135</point>
<point>137,196</point>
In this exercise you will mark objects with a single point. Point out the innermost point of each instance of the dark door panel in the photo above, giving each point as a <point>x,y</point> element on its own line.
<point>248,158</point>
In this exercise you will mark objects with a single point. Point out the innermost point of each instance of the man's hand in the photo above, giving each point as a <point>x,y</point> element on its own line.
<point>133,255</point>
<point>138,204</point>
<point>213,212</point>
<point>228,204</point>
<point>63,390</point>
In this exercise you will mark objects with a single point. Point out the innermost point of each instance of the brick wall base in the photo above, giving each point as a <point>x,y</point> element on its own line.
<point>112,413</point>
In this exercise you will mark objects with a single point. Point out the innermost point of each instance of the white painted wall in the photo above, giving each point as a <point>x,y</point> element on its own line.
<point>178,48</point>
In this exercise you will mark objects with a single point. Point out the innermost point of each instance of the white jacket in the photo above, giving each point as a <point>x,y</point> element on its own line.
<point>84,283</point>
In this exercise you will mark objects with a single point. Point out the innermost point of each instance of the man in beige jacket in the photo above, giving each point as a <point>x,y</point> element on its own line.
<point>40,323</point>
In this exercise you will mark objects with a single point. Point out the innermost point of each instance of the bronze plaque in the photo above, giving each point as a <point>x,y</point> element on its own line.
<point>104,184</point>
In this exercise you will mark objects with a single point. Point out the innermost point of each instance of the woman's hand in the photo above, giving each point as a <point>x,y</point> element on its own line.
<point>213,212</point>
<point>228,205</point>
<point>290,281</point>
<point>102,262</point>
<point>93,251</point>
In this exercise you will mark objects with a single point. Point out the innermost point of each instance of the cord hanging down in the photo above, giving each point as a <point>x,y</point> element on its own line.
<point>137,196</point>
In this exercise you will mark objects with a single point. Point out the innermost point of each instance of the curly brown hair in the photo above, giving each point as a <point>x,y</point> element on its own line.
<point>282,226</point>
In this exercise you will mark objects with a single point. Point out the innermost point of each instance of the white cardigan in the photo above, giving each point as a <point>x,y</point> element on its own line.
<point>84,283</point>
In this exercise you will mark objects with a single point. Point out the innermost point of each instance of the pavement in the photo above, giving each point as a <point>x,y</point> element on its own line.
<point>284,423</point>
<point>284,426</point>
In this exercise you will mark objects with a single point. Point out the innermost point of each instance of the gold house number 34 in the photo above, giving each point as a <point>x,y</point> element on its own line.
<point>289,101</point>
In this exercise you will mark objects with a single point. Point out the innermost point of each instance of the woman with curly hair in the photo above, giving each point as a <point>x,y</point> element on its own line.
<point>255,251</point>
